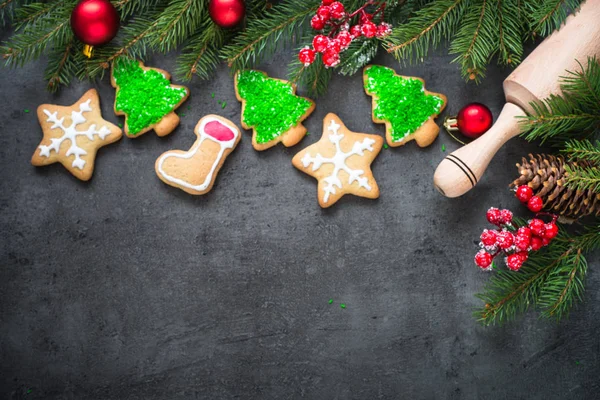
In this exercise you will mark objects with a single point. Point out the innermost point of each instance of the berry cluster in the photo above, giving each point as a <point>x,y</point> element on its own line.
<point>525,195</point>
<point>332,15</point>
<point>515,245</point>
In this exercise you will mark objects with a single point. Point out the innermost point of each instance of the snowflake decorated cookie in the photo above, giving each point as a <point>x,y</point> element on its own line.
<point>73,135</point>
<point>195,170</point>
<point>271,109</point>
<point>403,105</point>
<point>146,97</point>
<point>341,162</point>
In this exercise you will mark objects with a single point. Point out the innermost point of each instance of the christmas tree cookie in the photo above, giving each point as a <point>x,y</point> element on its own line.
<point>403,105</point>
<point>146,97</point>
<point>341,162</point>
<point>73,135</point>
<point>271,109</point>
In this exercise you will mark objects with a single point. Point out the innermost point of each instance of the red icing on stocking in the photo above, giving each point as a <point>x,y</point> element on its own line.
<point>219,131</point>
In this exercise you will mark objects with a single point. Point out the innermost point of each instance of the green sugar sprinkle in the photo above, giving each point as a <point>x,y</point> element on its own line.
<point>385,146</point>
<point>400,101</point>
<point>26,110</point>
<point>443,147</point>
<point>271,106</point>
<point>224,104</point>
<point>212,95</point>
<point>342,305</point>
<point>120,125</point>
<point>145,96</point>
<point>330,301</point>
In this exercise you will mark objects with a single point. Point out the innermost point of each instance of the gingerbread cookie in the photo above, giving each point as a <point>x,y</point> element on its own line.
<point>271,109</point>
<point>403,105</point>
<point>341,162</point>
<point>146,97</point>
<point>195,170</point>
<point>73,135</point>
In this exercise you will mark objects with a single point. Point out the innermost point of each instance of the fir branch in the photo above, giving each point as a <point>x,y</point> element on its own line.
<point>510,26</point>
<point>548,15</point>
<point>583,178</point>
<point>200,56</point>
<point>577,150</point>
<point>431,24</point>
<point>176,23</point>
<point>31,14</point>
<point>313,78</point>
<point>264,36</point>
<point>128,8</point>
<point>8,9</point>
<point>357,56</point>
<point>60,65</point>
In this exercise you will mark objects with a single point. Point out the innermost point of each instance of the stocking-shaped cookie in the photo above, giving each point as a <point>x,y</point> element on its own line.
<point>146,98</point>
<point>195,170</point>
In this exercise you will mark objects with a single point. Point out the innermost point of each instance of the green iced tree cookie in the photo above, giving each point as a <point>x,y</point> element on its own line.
<point>271,109</point>
<point>146,97</point>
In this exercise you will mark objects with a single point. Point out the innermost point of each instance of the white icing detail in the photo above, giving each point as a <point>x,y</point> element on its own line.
<point>71,134</point>
<point>339,162</point>
<point>191,152</point>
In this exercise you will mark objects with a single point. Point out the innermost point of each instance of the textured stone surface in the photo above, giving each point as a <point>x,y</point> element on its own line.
<point>126,288</point>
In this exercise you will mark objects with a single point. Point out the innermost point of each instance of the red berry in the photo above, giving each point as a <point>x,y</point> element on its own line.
<point>514,262</point>
<point>334,45</point>
<point>369,30</point>
<point>551,230</point>
<point>327,2</point>
<point>536,243</point>
<point>320,43</point>
<point>355,31</point>
<point>366,17</point>
<point>523,255</point>
<point>524,231</point>
<point>483,259</point>
<point>488,238</point>
<point>344,38</point>
<point>493,216</point>
<point>317,23</point>
<point>337,10</point>
<point>522,242</point>
<point>505,217</point>
<point>505,239</point>
<point>545,241</point>
<point>306,56</point>
<point>384,29</point>
<point>524,193</point>
<point>324,12</point>
<point>537,227</point>
<point>535,204</point>
<point>331,58</point>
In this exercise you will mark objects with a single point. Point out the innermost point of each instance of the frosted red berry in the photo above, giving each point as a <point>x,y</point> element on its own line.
<point>327,2</point>
<point>366,17</point>
<point>383,29</point>
<point>331,58</point>
<point>536,243</point>
<point>524,193</point>
<point>334,46</point>
<point>506,216</point>
<point>369,29</point>
<point>523,255</point>
<point>483,259</point>
<point>355,31</point>
<point>550,230</point>
<point>545,241</point>
<point>320,43</point>
<point>488,238</point>
<point>493,216</point>
<point>535,204</point>
<point>344,38</point>
<point>306,56</point>
<point>505,239</point>
<point>324,12</point>
<point>337,10</point>
<point>522,242</point>
<point>317,23</point>
<point>524,231</point>
<point>537,227</point>
<point>514,262</point>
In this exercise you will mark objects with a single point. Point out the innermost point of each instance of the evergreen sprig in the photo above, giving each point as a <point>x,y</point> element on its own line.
<point>551,280</point>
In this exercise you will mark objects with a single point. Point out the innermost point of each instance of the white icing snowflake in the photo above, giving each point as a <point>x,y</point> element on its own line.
<point>71,133</point>
<point>339,162</point>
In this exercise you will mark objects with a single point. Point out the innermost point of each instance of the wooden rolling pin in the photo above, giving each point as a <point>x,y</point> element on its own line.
<point>536,78</point>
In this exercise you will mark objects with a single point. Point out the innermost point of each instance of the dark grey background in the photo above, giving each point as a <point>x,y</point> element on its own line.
<point>126,288</point>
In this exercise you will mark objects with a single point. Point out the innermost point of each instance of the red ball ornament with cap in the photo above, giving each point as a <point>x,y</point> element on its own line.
<point>473,120</point>
<point>227,13</point>
<point>94,22</point>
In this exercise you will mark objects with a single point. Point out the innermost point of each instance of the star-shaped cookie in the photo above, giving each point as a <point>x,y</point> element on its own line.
<point>341,162</point>
<point>73,135</point>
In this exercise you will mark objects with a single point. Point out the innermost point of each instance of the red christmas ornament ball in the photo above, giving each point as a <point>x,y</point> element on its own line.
<point>474,119</point>
<point>227,13</point>
<point>95,22</point>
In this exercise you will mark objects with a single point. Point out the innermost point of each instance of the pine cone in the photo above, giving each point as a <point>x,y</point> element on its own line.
<point>546,174</point>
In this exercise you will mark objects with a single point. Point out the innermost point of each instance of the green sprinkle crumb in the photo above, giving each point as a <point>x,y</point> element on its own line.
<point>28,391</point>
<point>26,110</point>
<point>307,133</point>
<point>212,95</point>
<point>182,115</point>
<point>342,305</point>
<point>577,362</point>
<point>385,146</point>
<point>224,104</point>
<point>443,147</point>
<point>120,125</point>
<point>330,301</point>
